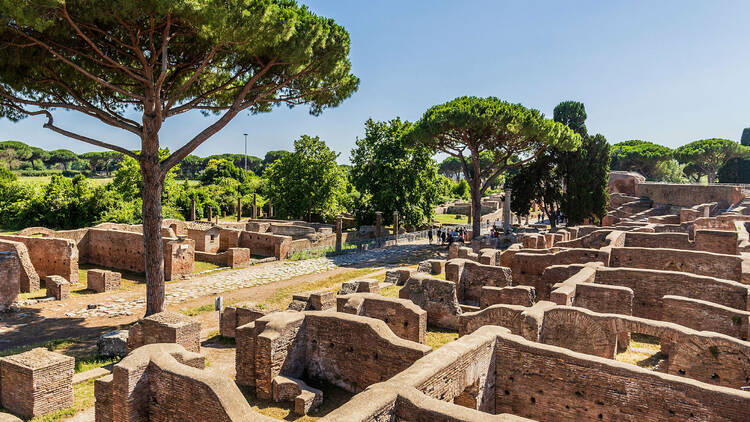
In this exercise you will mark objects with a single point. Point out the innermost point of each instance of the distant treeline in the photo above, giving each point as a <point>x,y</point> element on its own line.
<point>27,160</point>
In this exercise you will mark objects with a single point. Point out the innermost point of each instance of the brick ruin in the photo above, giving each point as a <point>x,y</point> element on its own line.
<point>543,325</point>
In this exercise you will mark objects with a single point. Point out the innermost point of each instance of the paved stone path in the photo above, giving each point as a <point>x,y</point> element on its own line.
<point>222,281</point>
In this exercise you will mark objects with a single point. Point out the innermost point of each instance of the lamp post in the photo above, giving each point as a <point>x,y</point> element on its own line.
<point>245,151</point>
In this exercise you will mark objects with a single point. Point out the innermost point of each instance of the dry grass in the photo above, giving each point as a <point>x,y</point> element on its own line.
<point>451,219</point>
<point>439,337</point>
<point>643,351</point>
<point>200,266</point>
<point>283,297</point>
<point>391,291</point>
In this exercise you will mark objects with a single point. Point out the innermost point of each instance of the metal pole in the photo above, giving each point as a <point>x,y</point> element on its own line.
<point>245,151</point>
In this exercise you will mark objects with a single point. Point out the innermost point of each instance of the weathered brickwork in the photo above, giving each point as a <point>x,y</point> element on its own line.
<point>166,327</point>
<point>239,315</point>
<point>103,280</point>
<point>706,316</point>
<point>36,382</point>
<point>436,296</point>
<point>471,276</point>
<point>403,317</point>
<point>265,244</point>
<point>57,287</point>
<point>517,295</point>
<point>604,299</point>
<point>702,263</point>
<point>206,240</point>
<point>51,256</point>
<point>28,279</point>
<point>527,268</point>
<point>10,270</point>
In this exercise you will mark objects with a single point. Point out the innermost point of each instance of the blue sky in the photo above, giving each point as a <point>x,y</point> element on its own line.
<point>666,71</point>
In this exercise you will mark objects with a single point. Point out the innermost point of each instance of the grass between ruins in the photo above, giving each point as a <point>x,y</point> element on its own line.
<point>83,395</point>
<point>643,351</point>
<point>85,354</point>
<point>283,297</point>
<point>451,219</point>
<point>333,397</point>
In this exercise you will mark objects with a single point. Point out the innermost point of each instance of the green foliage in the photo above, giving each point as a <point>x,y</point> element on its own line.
<point>461,190</point>
<point>7,176</point>
<point>221,168</point>
<point>639,156</point>
<point>708,155</point>
<point>745,139</point>
<point>573,115</point>
<point>306,181</point>
<point>451,167</point>
<point>671,171</point>
<point>736,170</point>
<point>393,175</point>
<point>498,129</point>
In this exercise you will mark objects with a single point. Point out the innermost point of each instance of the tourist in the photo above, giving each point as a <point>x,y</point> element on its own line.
<point>429,235</point>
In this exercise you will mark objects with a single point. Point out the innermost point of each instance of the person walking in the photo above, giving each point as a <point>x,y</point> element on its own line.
<point>429,235</point>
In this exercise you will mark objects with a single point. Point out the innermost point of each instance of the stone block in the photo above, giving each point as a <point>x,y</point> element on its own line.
<point>36,382</point>
<point>368,285</point>
<point>114,343</point>
<point>57,287</point>
<point>313,301</point>
<point>10,287</point>
<point>233,317</point>
<point>103,281</point>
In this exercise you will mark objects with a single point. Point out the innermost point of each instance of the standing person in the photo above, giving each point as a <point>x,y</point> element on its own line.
<point>429,235</point>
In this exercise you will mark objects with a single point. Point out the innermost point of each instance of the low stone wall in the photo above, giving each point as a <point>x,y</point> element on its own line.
<point>517,295</point>
<point>36,382</point>
<point>165,327</point>
<point>706,316</point>
<point>716,241</point>
<point>233,257</point>
<point>403,317</point>
<point>604,299</point>
<point>702,263</point>
<point>507,316</point>
<point>238,315</point>
<point>165,383</point>
<point>51,256</point>
<point>582,387</point>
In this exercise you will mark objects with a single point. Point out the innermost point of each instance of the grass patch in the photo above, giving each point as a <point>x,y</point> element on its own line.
<point>128,281</point>
<point>200,266</point>
<point>59,344</point>
<point>391,291</point>
<point>93,362</point>
<point>85,354</point>
<point>317,253</point>
<point>643,351</point>
<point>282,297</point>
<point>438,337</point>
<point>451,219</point>
<point>333,398</point>
<point>198,310</point>
<point>94,181</point>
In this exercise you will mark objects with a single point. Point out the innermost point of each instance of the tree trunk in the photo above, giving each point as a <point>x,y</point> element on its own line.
<point>476,197</point>
<point>153,184</point>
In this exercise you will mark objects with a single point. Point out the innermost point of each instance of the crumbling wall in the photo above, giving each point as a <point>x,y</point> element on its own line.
<point>403,317</point>
<point>51,256</point>
<point>689,195</point>
<point>437,297</point>
<point>527,268</point>
<point>471,276</point>
<point>265,244</point>
<point>10,275</point>
<point>604,299</point>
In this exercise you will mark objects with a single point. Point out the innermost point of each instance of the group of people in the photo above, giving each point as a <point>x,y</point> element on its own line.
<point>446,236</point>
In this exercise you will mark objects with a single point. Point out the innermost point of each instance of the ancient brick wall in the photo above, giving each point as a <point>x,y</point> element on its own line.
<point>697,262</point>
<point>124,250</point>
<point>507,316</point>
<point>353,352</point>
<point>689,195</point>
<point>527,268</point>
<point>471,276</point>
<point>403,317</point>
<point>604,299</point>
<point>206,240</point>
<point>717,241</point>
<point>550,383</point>
<point>706,316</point>
<point>238,315</point>
<point>649,286</point>
<point>28,280</point>
<point>229,238</point>
<point>658,240</point>
<point>517,295</point>
<point>10,276</point>
<point>265,244</point>
<point>51,256</point>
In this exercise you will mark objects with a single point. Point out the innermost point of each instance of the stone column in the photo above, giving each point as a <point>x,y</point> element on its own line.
<point>255,206</point>
<point>217,220</point>
<point>395,225</point>
<point>192,210</point>
<point>270,208</point>
<point>210,214</point>
<point>471,212</point>
<point>239,208</point>
<point>378,227</point>
<point>339,234</point>
<point>506,212</point>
